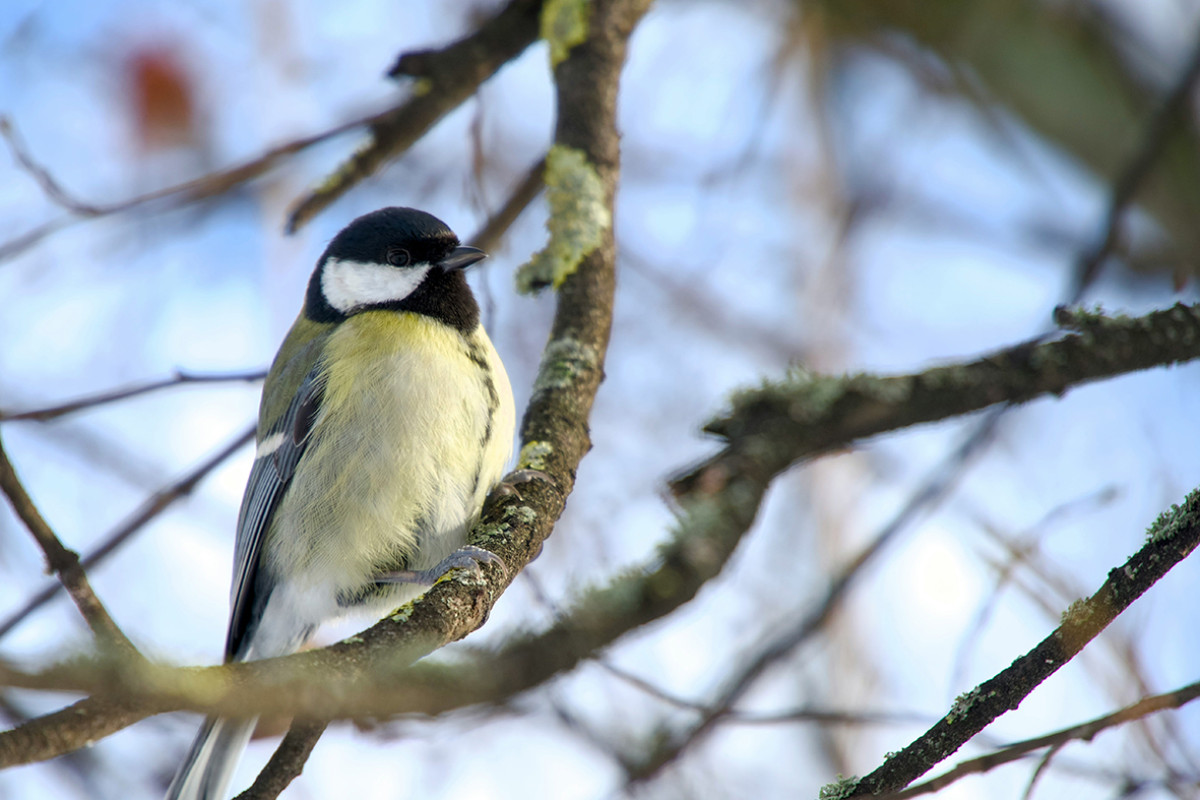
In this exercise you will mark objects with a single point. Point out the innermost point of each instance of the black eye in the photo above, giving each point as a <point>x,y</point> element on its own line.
<point>398,257</point>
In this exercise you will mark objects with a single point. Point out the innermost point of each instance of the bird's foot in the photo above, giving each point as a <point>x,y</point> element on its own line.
<point>467,557</point>
<point>509,485</point>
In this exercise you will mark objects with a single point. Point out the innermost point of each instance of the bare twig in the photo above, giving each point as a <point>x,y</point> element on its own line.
<point>286,763</point>
<point>1084,732</point>
<point>153,506</point>
<point>1039,771</point>
<point>524,193</point>
<point>446,78</point>
<point>41,175</point>
<point>63,562</point>
<point>180,378</point>
<point>813,414</point>
<point>823,716</point>
<point>932,491</point>
<point>1170,539</point>
<point>1170,113</point>
<point>180,194</point>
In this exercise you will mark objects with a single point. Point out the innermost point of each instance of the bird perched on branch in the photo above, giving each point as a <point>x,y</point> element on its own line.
<point>386,419</point>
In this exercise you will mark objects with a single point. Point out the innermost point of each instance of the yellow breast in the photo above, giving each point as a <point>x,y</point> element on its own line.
<point>415,428</point>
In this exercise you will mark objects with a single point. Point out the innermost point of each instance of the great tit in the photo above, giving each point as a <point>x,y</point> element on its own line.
<point>386,419</point>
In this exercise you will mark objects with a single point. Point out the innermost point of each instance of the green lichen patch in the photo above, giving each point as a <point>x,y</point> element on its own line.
<point>563,361</point>
<point>522,514</point>
<point>564,24</point>
<point>839,789</point>
<point>1079,318</point>
<point>1175,518</point>
<point>579,216</point>
<point>533,456</point>
<point>402,613</point>
<point>483,535</point>
<point>962,704</point>
<point>1079,612</point>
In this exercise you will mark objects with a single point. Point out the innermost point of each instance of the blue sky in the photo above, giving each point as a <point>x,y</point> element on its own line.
<point>733,266</point>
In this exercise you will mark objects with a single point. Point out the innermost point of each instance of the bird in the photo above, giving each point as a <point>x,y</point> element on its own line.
<point>386,419</point>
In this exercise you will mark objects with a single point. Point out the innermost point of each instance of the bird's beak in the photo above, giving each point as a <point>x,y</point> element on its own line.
<point>461,258</point>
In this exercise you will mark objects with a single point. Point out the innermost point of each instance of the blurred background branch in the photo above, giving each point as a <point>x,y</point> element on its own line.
<point>807,189</point>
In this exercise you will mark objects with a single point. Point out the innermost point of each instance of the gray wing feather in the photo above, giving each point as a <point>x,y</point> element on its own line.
<point>269,479</point>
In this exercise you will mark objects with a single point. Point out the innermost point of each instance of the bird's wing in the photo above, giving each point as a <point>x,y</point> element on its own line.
<point>280,451</point>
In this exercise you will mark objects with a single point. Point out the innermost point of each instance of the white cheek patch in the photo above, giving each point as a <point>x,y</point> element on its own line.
<point>349,285</point>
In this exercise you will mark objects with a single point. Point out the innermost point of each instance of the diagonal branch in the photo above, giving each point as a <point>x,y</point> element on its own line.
<point>807,414</point>
<point>1169,540</point>
<point>446,79</point>
<point>63,562</point>
<point>174,196</point>
<point>286,763</point>
<point>1158,128</point>
<point>931,492</point>
<point>1083,732</point>
<point>115,395</point>
<point>157,503</point>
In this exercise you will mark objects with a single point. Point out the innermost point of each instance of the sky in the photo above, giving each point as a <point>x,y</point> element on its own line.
<point>735,263</point>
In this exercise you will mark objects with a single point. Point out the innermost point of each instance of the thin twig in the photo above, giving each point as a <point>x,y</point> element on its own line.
<point>1040,770</point>
<point>62,562</point>
<point>1172,537</point>
<point>524,193</point>
<point>819,715</point>
<point>810,414</point>
<point>114,395</point>
<point>932,491</point>
<point>447,77</point>
<point>154,505</point>
<point>51,187</point>
<point>1083,732</point>
<point>1154,137</point>
<point>179,194</point>
<point>286,763</point>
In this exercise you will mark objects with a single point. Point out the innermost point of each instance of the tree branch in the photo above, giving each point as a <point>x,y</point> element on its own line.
<point>1083,732</point>
<point>115,395</point>
<point>446,78</point>
<point>174,196</point>
<point>932,490</point>
<point>286,763</point>
<point>65,730</point>
<point>806,415</point>
<point>1170,539</point>
<point>154,505</point>
<point>64,563</point>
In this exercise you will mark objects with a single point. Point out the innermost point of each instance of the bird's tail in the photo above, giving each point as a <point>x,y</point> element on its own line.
<point>209,765</point>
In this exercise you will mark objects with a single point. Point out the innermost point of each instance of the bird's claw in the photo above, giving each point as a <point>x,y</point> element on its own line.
<point>467,557</point>
<point>508,486</point>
